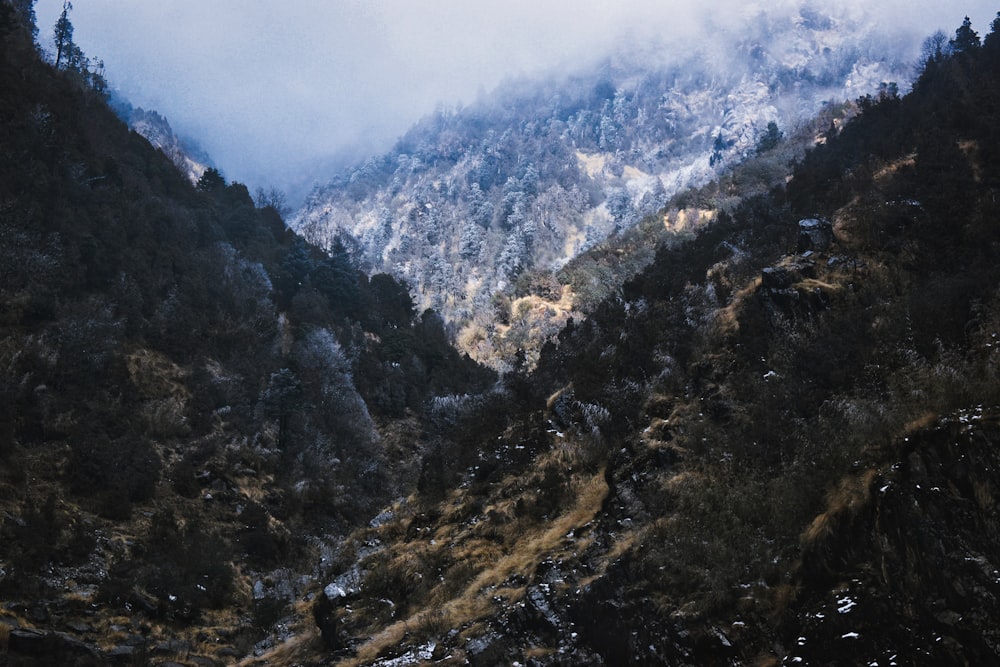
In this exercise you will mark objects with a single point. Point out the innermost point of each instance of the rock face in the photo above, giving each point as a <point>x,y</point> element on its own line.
<point>814,235</point>
<point>786,287</point>
<point>786,275</point>
<point>874,583</point>
<point>36,647</point>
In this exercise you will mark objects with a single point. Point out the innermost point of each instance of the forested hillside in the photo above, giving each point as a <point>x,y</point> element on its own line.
<point>157,131</point>
<point>777,445</point>
<point>479,208</point>
<point>194,402</point>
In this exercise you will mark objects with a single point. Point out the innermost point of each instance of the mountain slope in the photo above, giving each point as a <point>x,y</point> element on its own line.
<point>778,447</point>
<point>480,207</point>
<point>194,402</point>
<point>776,444</point>
<point>156,130</point>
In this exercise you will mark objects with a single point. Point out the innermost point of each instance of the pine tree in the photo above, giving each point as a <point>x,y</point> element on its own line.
<point>25,12</point>
<point>992,41</point>
<point>63,35</point>
<point>211,181</point>
<point>770,139</point>
<point>966,39</point>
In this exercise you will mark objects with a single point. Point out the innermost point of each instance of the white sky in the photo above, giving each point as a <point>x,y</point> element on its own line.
<point>272,88</point>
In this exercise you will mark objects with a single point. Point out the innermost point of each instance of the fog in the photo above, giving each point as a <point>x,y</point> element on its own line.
<point>278,93</point>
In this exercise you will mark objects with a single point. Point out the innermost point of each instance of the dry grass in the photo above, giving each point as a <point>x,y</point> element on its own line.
<point>727,318</point>
<point>851,495</point>
<point>812,284</point>
<point>155,376</point>
<point>687,219</point>
<point>921,423</point>
<point>492,566</point>
<point>300,649</point>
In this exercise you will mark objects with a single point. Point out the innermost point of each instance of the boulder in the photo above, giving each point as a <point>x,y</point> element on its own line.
<point>814,234</point>
<point>53,648</point>
<point>785,275</point>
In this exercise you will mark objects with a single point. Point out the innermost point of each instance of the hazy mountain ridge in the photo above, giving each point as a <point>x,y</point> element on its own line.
<point>776,444</point>
<point>158,132</point>
<point>471,201</point>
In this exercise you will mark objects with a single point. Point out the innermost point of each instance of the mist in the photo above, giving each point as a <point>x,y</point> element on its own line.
<point>281,93</point>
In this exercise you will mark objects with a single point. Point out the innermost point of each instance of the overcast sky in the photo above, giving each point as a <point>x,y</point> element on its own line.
<point>271,88</point>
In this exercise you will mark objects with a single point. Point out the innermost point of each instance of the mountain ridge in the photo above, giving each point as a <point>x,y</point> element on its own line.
<point>775,444</point>
<point>471,201</point>
<point>772,449</point>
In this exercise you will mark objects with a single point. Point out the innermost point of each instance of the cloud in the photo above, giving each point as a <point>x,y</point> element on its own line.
<point>271,88</point>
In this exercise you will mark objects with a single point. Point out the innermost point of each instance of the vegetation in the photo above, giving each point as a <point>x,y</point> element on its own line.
<point>191,396</point>
<point>774,442</point>
<point>565,178</point>
<point>776,426</point>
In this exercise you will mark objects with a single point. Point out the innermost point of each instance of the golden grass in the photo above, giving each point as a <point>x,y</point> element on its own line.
<point>921,423</point>
<point>687,219</point>
<point>811,284</point>
<point>495,566</point>
<point>727,318</point>
<point>852,494</point>
<point>891,168</point>
<point>305,645</point>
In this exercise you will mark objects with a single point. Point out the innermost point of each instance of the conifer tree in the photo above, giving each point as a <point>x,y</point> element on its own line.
<point>966,39</point>
<point>211,181</point>
<point>63,35</point>
<point>25,12</point>
<point>992,41</point>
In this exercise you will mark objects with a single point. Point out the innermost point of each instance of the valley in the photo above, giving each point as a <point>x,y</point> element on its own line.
<point>745,416</point>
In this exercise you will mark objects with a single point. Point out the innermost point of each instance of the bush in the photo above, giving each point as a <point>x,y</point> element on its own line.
<point>119,471</point>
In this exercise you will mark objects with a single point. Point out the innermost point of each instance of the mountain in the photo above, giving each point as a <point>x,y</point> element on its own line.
<point>191,160</point>
<point>479,208</point>
<point>778,446</point>
<point>774,444</point>
<point>194,402</point>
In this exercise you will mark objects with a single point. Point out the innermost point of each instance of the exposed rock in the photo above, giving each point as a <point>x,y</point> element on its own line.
<point>172,646</point>
<point>52,648</point>
<point>787,274</point>
<point>203,661</point>
<point>814,235</point>
<point>79,627</point>
<point>919,519</point>
<point>123,655</point>
<point>485,650</point>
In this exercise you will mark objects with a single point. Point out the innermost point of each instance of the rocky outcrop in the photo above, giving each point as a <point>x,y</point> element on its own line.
<point>814,235</point>
<point>911,574</point>
<point>790,288</point>
<point>26,646</point>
